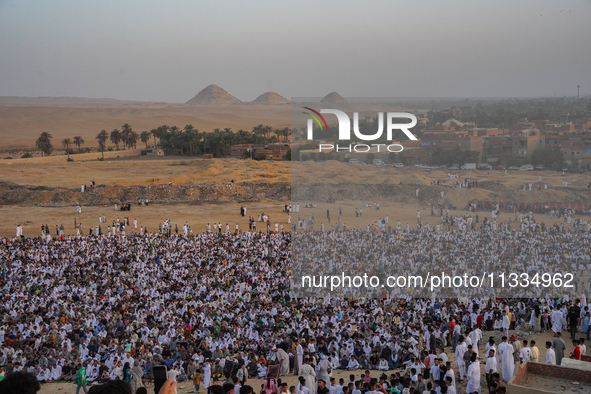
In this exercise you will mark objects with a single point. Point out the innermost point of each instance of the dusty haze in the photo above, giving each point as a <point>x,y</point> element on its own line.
<point>168,51</point>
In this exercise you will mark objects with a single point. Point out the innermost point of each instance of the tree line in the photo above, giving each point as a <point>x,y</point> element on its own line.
<point>187,141</point>
<point>44,144</point>
<point>505,113</point>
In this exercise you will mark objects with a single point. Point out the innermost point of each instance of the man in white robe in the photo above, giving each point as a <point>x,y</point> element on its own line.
<point>308,373</point>
<point>56,372</point>
<point>283,358</point>
<point>299,356</point>
<point>506,356</point>
<point>207,375</point>
<point>473,375</point>
<point>556,317</point>
<point>550,354</point>
<point>461,348</point>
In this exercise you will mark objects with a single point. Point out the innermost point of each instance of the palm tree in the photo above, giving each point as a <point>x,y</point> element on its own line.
<point>102,138</point>
<point>192,138</point>
<point>125,132</point>
<point>78,141</point>
<point>66,142</point>
<point>145,137</point>
<point>258,131</point>
<point>132,139</point>
<point>286,133</point>
<point>278,133</point>
<point>154,132</point>
<point>115,137</point>
<point>43,143</point>
<point>161,132</point>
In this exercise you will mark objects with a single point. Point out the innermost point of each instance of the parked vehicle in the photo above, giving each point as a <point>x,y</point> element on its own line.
<point>454,167</point>
<point>398,165</point>
<point>513,168</point>
<point>498,168</point>
<point>526,167</point>
<point>540,167</point>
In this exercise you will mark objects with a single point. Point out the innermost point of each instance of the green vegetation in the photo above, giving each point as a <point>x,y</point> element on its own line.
<point>102,138</point>
<point>78,141</point>
<point>43,143</point>
<point>66,143</point>
<point>505,113</point>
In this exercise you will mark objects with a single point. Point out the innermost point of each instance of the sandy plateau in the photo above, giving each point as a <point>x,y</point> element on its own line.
<point>34,192</point>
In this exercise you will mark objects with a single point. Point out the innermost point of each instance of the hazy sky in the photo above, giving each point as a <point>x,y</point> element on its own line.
<point>170,50</point>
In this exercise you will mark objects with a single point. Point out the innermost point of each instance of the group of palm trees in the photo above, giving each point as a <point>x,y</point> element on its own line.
<point>191,141</point>
<point>44,144</point>
<point>186,141</point>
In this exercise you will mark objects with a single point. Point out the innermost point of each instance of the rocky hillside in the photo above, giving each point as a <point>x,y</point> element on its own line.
<point>26,195</point>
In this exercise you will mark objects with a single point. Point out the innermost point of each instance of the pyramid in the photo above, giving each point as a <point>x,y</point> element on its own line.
<point>213,94</point>
<point>270,98</point>
<point>334,98</point>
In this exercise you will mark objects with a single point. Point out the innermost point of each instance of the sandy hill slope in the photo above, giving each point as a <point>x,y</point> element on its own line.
<point>270,98</point>
<point>213,94</point>
<point>334,98</point>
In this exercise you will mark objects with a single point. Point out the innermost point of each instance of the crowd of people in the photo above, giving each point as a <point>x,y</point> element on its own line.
<point>221,306</point>
<point>461,244</point>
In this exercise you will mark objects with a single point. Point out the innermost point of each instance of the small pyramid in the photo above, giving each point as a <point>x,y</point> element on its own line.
<point>213,94</point>
<point>334,98</point>
<point>270,98</point>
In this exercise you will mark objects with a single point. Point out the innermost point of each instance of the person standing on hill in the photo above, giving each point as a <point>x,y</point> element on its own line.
<point>559,347</point>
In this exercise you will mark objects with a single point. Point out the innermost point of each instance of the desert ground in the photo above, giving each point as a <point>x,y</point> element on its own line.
<point>23,119</point>
<point>185,170</point>
<point>261,186</point>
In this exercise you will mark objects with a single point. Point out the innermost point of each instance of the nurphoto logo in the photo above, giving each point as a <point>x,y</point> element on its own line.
<point>345,129</point>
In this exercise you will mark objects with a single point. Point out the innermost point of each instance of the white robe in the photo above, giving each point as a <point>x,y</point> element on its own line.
<point>473,377</point>
<point>556,317</point>
<point>283,359</point>
<point>300,355</point>
<point>56,372</point>
<point>206,376</point>
<point>310,375</point>
<point>323,368</point>
<point>550,356</point>
<point>506,354</point>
